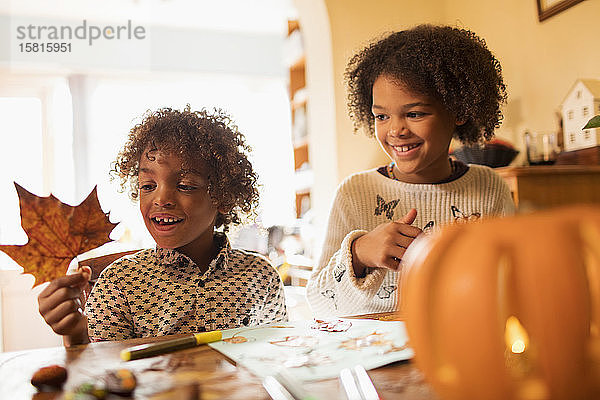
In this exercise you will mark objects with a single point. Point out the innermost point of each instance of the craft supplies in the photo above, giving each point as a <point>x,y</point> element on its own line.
<point>52,376</point>
<point>357,384</point>
<point>167,346</point>
<point>276,389</point>
<point>282,386</point>
<point>121,382</point>
<point>311,354</point>
<point>87,391</point>
<point>337,325</point>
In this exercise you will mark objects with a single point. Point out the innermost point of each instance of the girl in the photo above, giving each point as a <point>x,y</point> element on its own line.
<point>415,90</point>
<point>190,174</point>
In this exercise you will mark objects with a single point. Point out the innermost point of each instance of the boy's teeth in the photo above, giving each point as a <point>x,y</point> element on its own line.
<point>405,148</point>
<point>166,220</point>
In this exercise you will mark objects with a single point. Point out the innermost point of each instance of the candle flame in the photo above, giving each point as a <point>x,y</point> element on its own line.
<point>515,335</point>
<point>518,346</point>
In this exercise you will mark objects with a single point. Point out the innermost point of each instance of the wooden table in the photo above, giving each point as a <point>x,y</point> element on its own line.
<point>544,186</point>
<point>179,375</point>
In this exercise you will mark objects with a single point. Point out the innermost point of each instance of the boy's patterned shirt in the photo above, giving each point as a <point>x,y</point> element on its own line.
<point>161,292</point>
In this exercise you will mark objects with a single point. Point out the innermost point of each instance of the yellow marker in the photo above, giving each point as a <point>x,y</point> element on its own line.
<point>166,346</point>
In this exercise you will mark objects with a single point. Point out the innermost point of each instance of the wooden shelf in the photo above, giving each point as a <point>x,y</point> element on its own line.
<point>556,170</point>
<point>299,64</point>
<point>298,106</point>
<point>300,155</point>
<point>293,25</point>
<point>299,274</point>
<point>302,202</point>
<point>297,80</point>
<point>545,186</point>
<point>589,156</point>
<point>300,143</point>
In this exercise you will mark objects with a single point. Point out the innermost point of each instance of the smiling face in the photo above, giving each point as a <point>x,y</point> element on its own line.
<point>176,207</point>
<point>414,130</point>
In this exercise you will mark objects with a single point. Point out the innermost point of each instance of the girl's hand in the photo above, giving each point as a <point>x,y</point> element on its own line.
<point>385,245</point>
<point>61,305</point>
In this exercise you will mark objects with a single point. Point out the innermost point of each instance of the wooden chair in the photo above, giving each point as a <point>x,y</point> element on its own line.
<point>300,269</point>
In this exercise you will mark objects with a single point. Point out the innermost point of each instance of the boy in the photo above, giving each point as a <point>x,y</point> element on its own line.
<point>190,174</point>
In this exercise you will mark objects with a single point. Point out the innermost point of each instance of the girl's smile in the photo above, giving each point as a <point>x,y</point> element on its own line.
<point>405,150</point>
<point>414,130</point>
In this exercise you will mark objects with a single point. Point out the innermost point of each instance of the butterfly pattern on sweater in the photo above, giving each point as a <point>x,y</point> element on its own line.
<point>338,273</point>
<point>386,207</point>
<point>385,291</point>
<point>428,228</point>
<point>330,294</point>
<point>457,214</point>
<point>461,217</point>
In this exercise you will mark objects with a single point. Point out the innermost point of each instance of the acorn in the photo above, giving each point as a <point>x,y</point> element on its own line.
<point>121,382</point>
<point>53,376</point>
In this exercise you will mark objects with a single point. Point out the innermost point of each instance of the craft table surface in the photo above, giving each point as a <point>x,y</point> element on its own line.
<point>179,375</point>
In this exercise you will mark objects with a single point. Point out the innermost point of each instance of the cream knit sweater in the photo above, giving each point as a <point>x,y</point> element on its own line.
<point>367,199</point>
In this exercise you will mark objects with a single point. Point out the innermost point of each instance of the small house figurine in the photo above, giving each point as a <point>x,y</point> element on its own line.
<point>581,104</point>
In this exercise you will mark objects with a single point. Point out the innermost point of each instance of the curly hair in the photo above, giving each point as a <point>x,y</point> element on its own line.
<point>209,137</point>
<point>449,64</point>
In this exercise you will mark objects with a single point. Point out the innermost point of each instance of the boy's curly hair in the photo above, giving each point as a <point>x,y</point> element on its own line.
<point>209,138</point>
<point>449,64</point>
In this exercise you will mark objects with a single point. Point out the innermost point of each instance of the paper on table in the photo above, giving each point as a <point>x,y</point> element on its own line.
<point>309,354</point>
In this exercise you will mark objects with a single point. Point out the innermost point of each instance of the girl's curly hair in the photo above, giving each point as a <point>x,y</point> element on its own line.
<point>449,64</point>
<point>210,139</point>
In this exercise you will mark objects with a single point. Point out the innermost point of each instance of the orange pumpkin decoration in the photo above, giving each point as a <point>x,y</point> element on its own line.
<point>508,308</point>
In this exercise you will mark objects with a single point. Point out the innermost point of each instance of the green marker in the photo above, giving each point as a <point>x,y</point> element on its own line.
<point>167,346</point>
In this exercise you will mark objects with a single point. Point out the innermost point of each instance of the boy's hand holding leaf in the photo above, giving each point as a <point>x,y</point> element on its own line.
<point>57,234</point>
<point>61,305</point>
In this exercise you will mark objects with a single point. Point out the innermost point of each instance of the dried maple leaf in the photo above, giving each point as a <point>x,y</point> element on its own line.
<point>57,233</point>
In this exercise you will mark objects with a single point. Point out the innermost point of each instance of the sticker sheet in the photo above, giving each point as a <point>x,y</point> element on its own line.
<point>316,349</point>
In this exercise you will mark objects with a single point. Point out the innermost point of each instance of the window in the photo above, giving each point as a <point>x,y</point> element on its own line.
<point>586,111</point>
<point>587,134</point>
<point>570,114</point>
<point>571,138</point>
<point>21,160</point>
<point>36,150</point>
<point>244,98</point>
